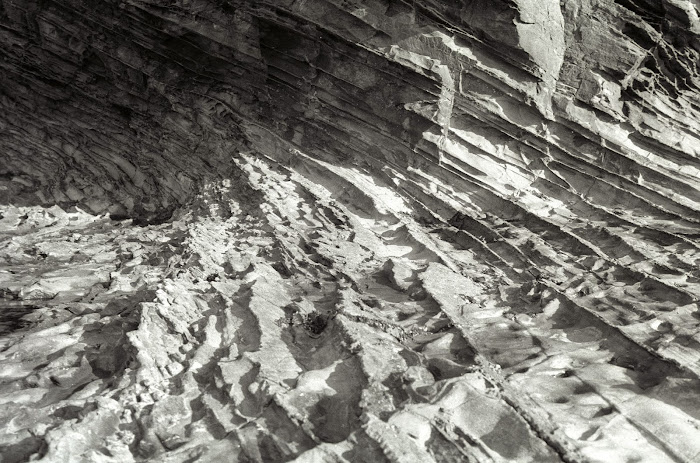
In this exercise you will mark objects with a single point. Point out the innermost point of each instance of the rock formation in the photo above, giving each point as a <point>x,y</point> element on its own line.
<point>350,230</point>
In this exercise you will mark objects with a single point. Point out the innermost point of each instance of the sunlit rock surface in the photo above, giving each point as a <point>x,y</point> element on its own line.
<point>327,231</point>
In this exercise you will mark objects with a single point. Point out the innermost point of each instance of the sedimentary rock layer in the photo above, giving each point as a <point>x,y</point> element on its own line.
<point>350,230</point>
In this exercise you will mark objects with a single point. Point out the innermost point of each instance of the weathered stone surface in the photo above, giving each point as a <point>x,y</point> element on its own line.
<point>330,230</point>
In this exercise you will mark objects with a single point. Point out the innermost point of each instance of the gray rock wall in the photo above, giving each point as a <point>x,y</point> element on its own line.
<point>349,231</point>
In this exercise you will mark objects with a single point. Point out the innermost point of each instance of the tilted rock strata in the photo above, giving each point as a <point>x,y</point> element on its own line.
<point>403,231</point>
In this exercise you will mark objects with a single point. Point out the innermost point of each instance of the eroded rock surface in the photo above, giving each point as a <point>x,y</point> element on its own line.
<point>350,231</point>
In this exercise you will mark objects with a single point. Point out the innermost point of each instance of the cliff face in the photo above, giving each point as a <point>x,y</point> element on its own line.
<point>350,230</point>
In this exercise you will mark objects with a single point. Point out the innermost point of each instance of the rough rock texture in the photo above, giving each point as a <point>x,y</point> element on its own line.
<point>344,230</point>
